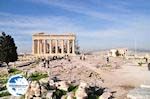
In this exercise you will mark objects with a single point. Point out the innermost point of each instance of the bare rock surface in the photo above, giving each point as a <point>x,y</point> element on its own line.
<point>105,95</point>
<point>81,92</point>
<point>119,75</point>
<point>63,85</point>
<point>139,93</point>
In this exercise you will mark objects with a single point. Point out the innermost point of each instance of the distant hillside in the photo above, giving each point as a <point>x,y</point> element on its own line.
<point>141,50</point>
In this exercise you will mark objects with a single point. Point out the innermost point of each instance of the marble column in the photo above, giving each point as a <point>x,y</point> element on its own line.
<point>68,47</point>
<point>33,47</point>
<point>50,46</point>
<point>44,49</point>
<point>38,48</point>
<point>73,46</point>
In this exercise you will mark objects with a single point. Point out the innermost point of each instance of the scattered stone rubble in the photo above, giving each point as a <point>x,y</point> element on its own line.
<point>106,95</point>
<point>39,90</point>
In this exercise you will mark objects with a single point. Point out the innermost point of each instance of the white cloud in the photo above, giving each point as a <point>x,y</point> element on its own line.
<point>31,24</point>
<point>90,11</point>
<point>125,24</point>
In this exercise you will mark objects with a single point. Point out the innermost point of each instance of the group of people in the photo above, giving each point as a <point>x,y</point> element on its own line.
<point>45,63</point>
<point>82,57</point>
<point>107,59</point>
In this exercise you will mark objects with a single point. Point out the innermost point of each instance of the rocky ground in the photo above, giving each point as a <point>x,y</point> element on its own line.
<point>120,75</point>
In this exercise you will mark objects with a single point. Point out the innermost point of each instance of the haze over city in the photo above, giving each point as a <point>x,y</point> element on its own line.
<point>98,24</point>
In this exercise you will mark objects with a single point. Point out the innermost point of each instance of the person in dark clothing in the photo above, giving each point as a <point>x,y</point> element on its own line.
<point>107,59</point>
<point>48,63</point>
<point>146,59</point>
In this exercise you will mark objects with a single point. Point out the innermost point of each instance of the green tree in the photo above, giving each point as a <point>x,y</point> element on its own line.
<point>8,49</point>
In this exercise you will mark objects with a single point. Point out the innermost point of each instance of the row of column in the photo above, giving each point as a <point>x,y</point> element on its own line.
<point>46,46</point>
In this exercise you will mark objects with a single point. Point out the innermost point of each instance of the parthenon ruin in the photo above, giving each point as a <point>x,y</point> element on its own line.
<point>45,45</point>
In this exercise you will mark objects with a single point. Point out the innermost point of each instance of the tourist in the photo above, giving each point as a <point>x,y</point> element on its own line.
<point>107,59</point>
<point>44,62</point>
<point>149,66</point>
<point>146,59</point>
<point>83,56</point>
<point>80,57</point>
<point>48,63</point>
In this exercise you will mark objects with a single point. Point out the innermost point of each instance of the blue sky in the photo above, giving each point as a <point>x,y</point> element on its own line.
<point>98,24</point>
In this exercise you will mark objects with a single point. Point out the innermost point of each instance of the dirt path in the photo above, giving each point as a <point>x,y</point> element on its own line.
<point>126,78</point>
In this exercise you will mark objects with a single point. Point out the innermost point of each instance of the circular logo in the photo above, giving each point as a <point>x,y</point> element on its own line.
<point>17,85</point>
